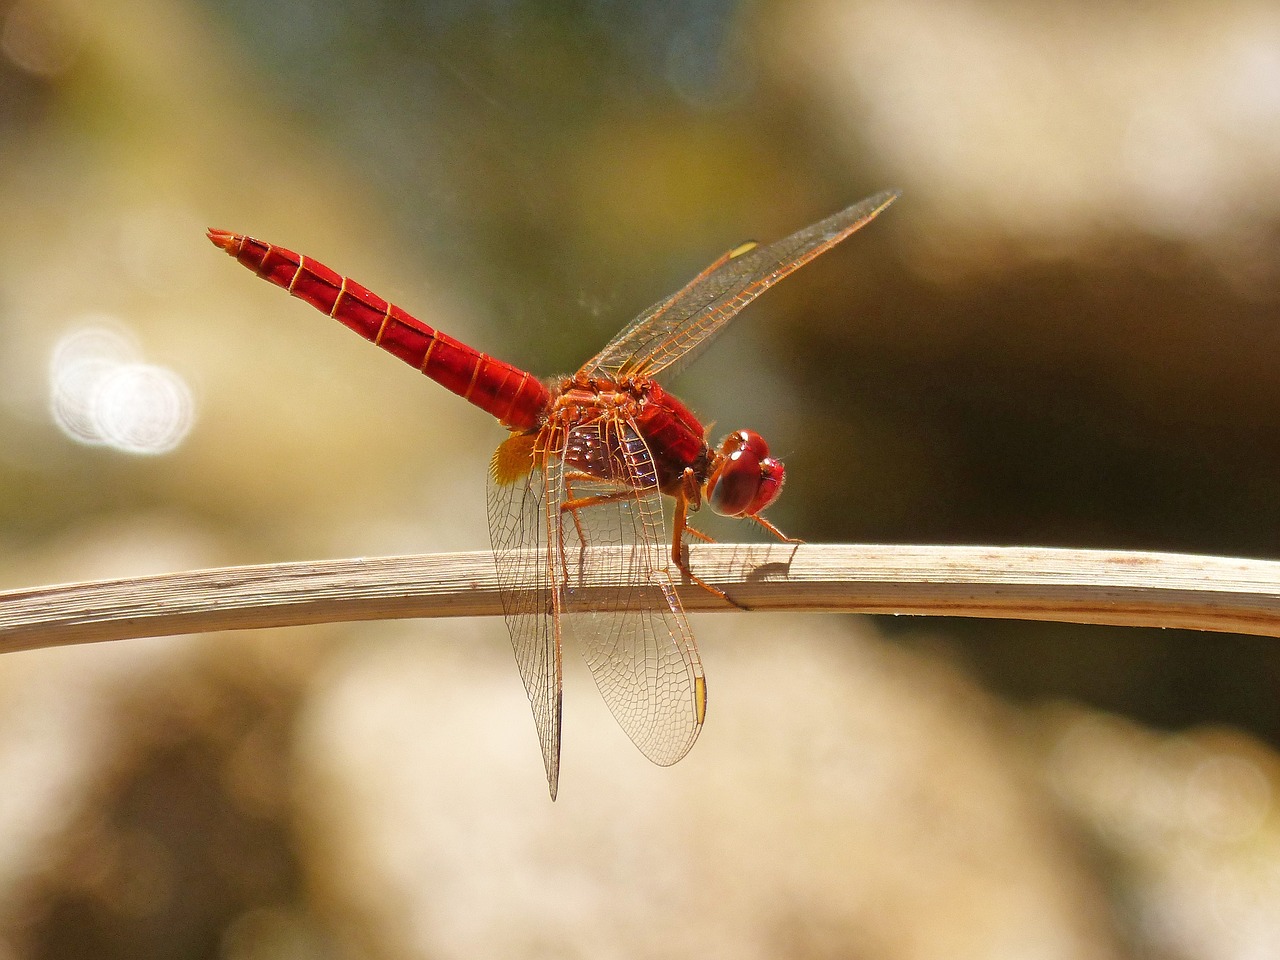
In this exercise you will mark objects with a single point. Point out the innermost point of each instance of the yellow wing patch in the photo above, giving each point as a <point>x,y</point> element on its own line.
<point>513,459</point>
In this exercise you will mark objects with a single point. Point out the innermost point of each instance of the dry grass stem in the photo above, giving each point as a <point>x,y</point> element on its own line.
<point>1079,586</point>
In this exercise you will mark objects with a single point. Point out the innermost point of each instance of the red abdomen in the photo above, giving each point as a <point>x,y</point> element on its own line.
<point>516,398</point>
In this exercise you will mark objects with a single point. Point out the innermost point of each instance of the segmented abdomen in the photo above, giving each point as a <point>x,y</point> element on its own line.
<point>516,398</point>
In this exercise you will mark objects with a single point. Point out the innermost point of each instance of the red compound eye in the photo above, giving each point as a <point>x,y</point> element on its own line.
<point>745,478</point>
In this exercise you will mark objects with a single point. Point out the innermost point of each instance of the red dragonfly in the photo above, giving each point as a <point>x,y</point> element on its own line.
<point>587,462</point>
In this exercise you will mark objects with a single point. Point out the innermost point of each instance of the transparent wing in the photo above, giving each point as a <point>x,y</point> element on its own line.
<point>636,642</point>
<point>520,515</point>
<point>680,326</point>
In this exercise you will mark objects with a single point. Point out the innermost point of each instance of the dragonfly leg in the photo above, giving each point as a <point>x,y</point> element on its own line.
<point>774,530</point>
<point>581,503</point>
<point>693,531</point>
<point>573,504</point>
<point>679,552</point>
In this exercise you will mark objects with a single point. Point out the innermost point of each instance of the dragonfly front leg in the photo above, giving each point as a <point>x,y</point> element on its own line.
<point>679,552</point>
<point>774,530</point>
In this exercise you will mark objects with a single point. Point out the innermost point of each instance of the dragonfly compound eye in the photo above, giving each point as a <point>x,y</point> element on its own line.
<point>746,479</point>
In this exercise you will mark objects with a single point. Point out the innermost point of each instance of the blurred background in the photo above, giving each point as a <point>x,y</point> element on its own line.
<point>1064,334</point>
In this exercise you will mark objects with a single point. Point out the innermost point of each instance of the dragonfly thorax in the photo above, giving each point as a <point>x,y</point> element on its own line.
<point>674,441</point>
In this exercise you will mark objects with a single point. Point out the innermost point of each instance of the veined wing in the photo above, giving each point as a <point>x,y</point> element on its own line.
<point>521,512</point>
<point>680,326</point>
<point>637,642</point>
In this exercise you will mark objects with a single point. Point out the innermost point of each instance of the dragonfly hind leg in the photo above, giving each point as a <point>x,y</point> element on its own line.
<point>572,504</point>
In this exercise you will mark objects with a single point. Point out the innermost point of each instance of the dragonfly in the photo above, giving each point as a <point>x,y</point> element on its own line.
<point>580,479</point>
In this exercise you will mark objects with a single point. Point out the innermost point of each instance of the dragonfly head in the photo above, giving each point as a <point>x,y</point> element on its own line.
<point>744,478</point>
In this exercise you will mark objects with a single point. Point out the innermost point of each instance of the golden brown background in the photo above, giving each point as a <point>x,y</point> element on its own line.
<point>1066,333</point>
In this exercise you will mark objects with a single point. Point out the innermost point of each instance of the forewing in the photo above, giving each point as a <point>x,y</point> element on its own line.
<point>520,516</point>
<point>679,327</point>
<point>637,642</point>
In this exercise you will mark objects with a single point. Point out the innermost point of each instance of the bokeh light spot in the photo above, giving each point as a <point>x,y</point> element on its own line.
<point>142,408</point>
<point>101,394</point>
